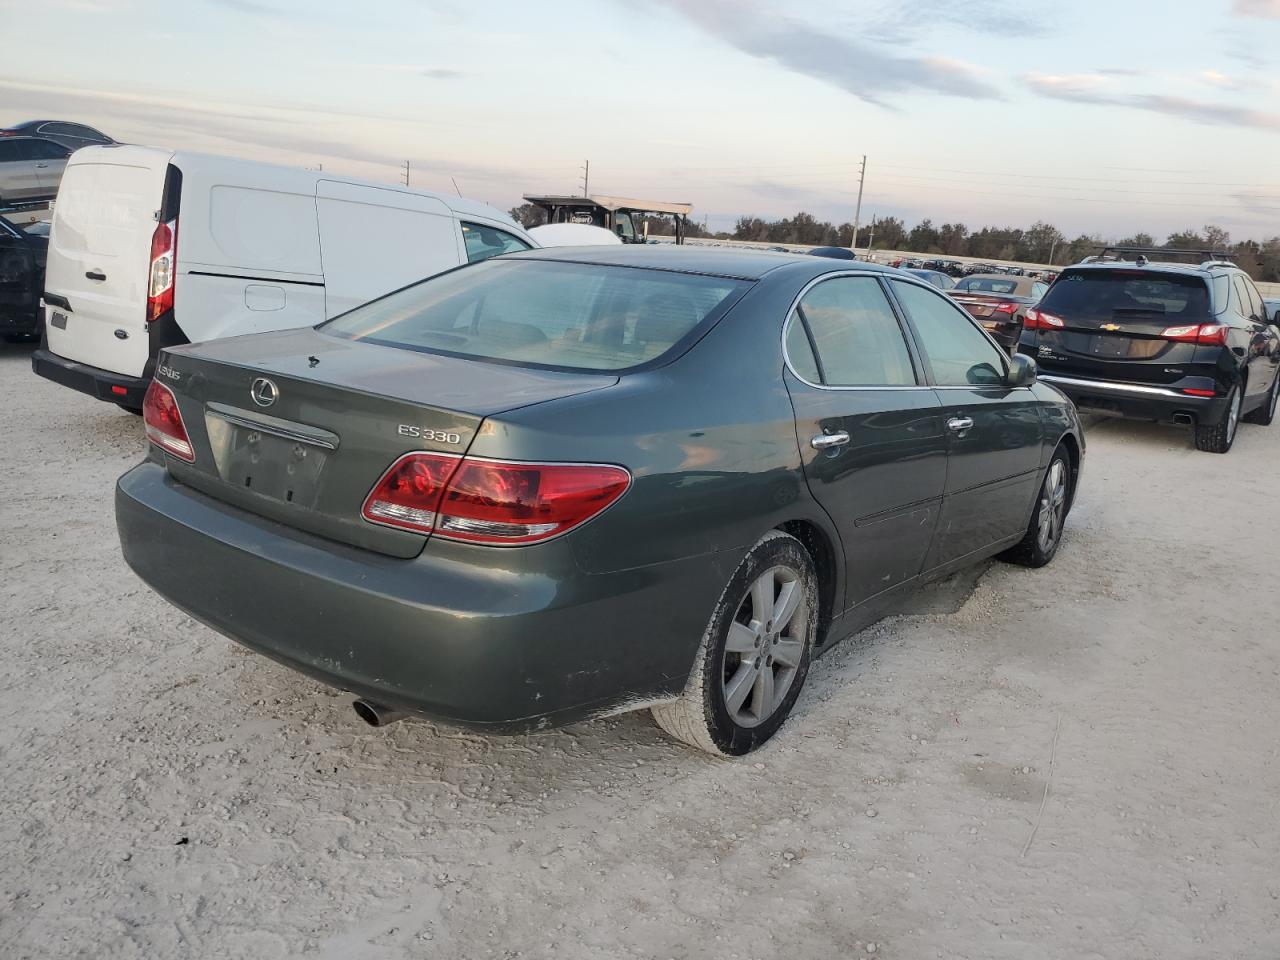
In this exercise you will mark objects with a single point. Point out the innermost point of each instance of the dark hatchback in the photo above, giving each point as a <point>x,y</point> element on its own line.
<point>551,486</point>
<point>1168,342</point>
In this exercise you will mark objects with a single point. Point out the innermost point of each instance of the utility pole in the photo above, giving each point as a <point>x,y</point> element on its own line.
<point>857,213</point>
<point>871,240</point>
<point>586,177</point>
<point>1052,247</point>
<point>406,173</point>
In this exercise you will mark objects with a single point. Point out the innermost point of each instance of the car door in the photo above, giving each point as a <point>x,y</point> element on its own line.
<point>993,431</point>
<point>50,161</point>
<point>1262,342</point>
<point>869,428</point>
<point>19,179</point>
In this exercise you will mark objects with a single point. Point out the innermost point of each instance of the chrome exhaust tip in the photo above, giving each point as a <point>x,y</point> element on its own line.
<point>375,714</point>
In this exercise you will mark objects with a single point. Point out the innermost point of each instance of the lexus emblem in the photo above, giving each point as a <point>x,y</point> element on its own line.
<point>264,392</point>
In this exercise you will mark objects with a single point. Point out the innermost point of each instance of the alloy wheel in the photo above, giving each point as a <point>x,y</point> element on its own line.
<point>765,646</point>
<point>1233,418</point>
<point>1053,506</point>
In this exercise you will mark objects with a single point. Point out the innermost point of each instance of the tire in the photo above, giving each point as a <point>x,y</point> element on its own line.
<point>1264,414</point>
<point>1217,437</point>
<point>1039,544</point>
<point>776,573</point>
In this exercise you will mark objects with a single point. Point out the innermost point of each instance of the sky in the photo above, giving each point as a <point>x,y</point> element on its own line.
<point>1095,115</point>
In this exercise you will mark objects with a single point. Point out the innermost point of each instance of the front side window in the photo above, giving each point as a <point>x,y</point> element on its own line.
<point>545,313</point>
<point>483,242</point>
<point>855,333</point>
<point>958,352</point>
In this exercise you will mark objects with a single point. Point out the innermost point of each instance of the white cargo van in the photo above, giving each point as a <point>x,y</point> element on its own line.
<point>151,248</point>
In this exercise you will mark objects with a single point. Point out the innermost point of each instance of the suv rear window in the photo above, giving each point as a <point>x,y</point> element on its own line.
<point>568,316</point>
<point>1106,294</point>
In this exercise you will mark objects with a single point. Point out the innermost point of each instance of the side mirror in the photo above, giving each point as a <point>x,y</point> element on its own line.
<point>1022,371</point>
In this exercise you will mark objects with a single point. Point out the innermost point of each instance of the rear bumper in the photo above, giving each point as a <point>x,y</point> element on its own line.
<point>103,384</point>
<point>1137,401</point>
<point>506,646</point>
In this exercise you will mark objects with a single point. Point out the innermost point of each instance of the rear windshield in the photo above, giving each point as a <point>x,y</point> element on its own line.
<point>987,285</point>
<point>570,316</point>
<point>1106,294</point>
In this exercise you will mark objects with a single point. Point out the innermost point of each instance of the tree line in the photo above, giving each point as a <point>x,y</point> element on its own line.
<point>1040,243</point>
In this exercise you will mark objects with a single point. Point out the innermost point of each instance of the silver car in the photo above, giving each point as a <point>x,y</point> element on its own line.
<point>30,169</point>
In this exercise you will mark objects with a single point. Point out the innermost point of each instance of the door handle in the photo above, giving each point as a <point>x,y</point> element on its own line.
<point>42,165</point>
<point>825,441</point>
<point>95,275</point>
<point>960,424</point>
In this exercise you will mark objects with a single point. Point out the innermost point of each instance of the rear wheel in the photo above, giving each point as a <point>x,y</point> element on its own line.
<point>1267,412</point>
<point>755,653</point>
<point>1217,437</point>
<point>1039,544</point>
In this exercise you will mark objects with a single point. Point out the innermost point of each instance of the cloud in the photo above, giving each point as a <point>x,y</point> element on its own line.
<point>442,73</point>
<point>900,23</point>
<point>1096,89</point>
<point>836,58</point>
<point>1263,9</point>
<point>1220,80</point>
<point>251,7</point>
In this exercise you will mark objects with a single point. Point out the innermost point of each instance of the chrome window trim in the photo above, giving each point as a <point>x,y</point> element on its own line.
<point>790,317</point>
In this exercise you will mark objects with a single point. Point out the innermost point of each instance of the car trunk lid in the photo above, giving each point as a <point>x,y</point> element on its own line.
<point>299,426</point>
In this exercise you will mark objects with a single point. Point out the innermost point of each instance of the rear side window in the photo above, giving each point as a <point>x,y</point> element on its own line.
<point>1104,295</point>
<point>484,242</point>
<point>858,340</point>
<point>571,316</point>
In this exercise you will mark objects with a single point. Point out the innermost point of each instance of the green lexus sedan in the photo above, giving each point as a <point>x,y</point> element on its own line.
<point>558,485</point>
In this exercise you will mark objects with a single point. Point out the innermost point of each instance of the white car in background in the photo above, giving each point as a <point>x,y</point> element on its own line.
<point>151,248</point>
<point>573,235</point>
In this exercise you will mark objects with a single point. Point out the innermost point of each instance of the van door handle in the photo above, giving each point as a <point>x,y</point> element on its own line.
<point>42,165</point>
<point>960,424</point>
<point>825,441</point>
<point>96,275</point>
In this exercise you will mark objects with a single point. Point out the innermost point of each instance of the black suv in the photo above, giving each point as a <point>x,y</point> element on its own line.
<point>1175,343</point>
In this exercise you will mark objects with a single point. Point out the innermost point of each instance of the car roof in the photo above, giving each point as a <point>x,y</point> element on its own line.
<point>742,264</point>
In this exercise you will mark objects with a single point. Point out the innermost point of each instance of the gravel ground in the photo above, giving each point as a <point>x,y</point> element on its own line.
<point>165,794</point>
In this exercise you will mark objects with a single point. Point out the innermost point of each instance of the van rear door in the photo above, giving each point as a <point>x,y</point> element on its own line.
<point>100,256</point>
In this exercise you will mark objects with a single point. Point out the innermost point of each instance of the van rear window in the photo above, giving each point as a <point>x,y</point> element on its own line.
<point>573,316</point>
<point>1105,294</point>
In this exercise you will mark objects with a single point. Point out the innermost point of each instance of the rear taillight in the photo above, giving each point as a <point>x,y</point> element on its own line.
<point>1009,308</point>
<point>164,260</point>
<point>491,501</point>
<point>164,422</point>
<point>1196,392</point>
<point>1208,334</point>
<point>1039,320</point>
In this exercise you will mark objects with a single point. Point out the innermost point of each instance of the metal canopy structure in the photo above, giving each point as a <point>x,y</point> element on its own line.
<point>614,213</point>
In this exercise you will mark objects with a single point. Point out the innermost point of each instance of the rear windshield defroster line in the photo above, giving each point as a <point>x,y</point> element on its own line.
<point>550,314</point>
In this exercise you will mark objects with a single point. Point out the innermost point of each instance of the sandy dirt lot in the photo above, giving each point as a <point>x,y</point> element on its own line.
<point>165,794</point>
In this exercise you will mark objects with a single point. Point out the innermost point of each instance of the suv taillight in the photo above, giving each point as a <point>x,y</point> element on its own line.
<point>1208,334</point>
<point>1039,320</point>
<point>164,262</point>
<point>164,422</point>
<point>491,501</point>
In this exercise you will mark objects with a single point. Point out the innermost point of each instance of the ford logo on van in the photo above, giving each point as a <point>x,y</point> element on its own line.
<point>264,392</point>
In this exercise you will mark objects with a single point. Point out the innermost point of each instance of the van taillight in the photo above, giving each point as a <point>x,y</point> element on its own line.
<point>164,261</point>
<point>1039,320</point>
<point>491,501</point>
<point>164,423</point>
<point>1208,334</point>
